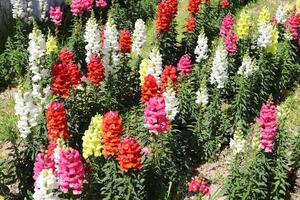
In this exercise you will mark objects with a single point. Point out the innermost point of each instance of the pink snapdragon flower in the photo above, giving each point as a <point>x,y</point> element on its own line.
<point>227,25</point>
<point>56,15</point>
<point>268,125</point>
<point>292,26</point>
<point>199,185</point>
<point>79,6</point>
<point>101,3</point>
<point>230,43</point>
<point>43,161</point>
<point>155,116</point>
<point>71,173</point>
<point>184,65</point>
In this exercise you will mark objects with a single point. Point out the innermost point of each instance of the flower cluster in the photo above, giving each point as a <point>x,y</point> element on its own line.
<point>129,155</point>
<point>51,45</point>
<point>190,24</point>
<point>43,5</point>
<point>202,94</point>
<point>144,70</point>
<point>167,76</point>
<point>155,61</point>
<point>91,140</point>
<point>265,35</point>
<point>268,124</point>
<point>37,50</point>
<point>237,144</point>
<point>92,38</point>
<point>173,4</point>
<point>43,161</point>
<point>247,67</point>
<point>56,15</point>
<point>79,6</point>
<point>201,49</point>
<point>18,9</point>
<point>193,6</point>
<point>264,17</point>
<point>139,36</point>
<point>101,3</point>
<point>199,185</point>
<point>27,112</point>
<point>71,173</point>
<point>281,14</point>
<point>56,122</point>
<point>171,103</point>
<point>292,25</point>
<point>164,17</point>
<point>65,74</point>
<point>219,68</point>
<point>243,25</point>
<point>226,31</point>
<point>149,88</point>
<point>155,116</point>
<point>111,131</point>
<point>184,66</point>
<point>46,186</point>
<point>110,47</point>
<point>125,41</point>
<point>224,4</point>
<point>96,71</point>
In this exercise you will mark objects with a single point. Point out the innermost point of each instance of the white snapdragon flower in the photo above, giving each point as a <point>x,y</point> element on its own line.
<point>237,144</point>
<point>281,14</point>
<point>43,5</point>
<point>92,38</point>
<point>18,9</point>
<point>27,112</point>
<point>155,62</point>
<point>264,39</point>
<point>201,49</point>
<point>139,36</point>
<point>202,97</point>
<point>46,186</point>
<point>219,67</point>
<point>247,68</point>
<point>171,103</point>
<point>37,50</point>
<point>111,47</point>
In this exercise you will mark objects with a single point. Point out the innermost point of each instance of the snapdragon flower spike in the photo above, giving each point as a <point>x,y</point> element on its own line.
<point>129,155</point>
<point>219,72</point>
<point>243,25</point>
<point>202,97</point>
<point>281,14</point>
<point>199,185</point>
<point>74,74</point>
<point>171,103</point>
<point>139,36</point>
<point>27,112</point>
<point>56,15</point>
<point>169,74</point>
<point>96,71</point>
<point>79,6</point>
<point>247,67</point>
<point>269,125</point>
<point>71,174</point>
<point>227,25</point>
<point>201,49</point>
<point>224,4</point>
<point>155,61</point>
<point>92,38</point>
<point>230,41</point>
<point>91,145</point>
<point>101,3</point>
<point>43,161</point>
<point>155,117</point>
<point>163,17</point>
<point>51,45</point>
<point>173,4</point>
<point>184,65</point>
<point>66,56</point>
<point>190,25</point>
<point>43,6</point>
<point>61,83</point>
<point>125,41</point>
<point>46,186</point>
<point>149,88</point>
<point>292,25</point>
<point>193,6</point>
<point>144,70</point>
<point>56,122</point>
<point>18,9</point>
<point>112,130</point>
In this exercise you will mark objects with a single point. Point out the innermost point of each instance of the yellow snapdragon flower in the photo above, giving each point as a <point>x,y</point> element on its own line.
<point>264,16</point>
<point>144,67</point>
<point>91,140</point>
<point>275,35</point>
<point>51,45</point>
<point>298,5</point>
<point>243,25</point>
